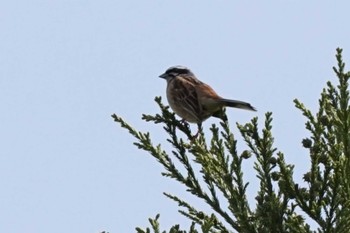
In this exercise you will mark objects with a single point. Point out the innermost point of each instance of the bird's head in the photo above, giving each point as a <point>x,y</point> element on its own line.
<point>175,71</point>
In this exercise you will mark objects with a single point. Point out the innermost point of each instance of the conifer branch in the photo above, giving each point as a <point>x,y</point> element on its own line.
<point>281,203</point>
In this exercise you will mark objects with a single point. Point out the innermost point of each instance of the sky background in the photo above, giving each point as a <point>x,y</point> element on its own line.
<point>67,65</point>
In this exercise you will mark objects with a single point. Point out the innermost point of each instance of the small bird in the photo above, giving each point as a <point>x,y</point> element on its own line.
<point>193,100</point>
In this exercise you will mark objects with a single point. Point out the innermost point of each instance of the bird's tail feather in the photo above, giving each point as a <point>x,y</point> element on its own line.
<point>237,104</point>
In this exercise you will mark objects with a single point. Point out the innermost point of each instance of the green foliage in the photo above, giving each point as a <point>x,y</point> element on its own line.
<point>281,203</point>
<point>327,195</point>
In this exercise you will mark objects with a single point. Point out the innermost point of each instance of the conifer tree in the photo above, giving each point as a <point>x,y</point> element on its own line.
<point>281,204</point>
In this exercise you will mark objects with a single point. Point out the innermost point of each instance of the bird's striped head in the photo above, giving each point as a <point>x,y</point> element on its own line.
<point>174,71</point>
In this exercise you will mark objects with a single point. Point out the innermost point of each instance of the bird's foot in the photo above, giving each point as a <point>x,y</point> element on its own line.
<point>199,131</point>
<point>186,125</point>
<point>194,137</point>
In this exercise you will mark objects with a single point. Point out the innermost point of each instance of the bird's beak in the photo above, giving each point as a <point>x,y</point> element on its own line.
<point>163,76</point>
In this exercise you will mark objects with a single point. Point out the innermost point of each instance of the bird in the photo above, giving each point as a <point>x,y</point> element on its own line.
<point>193,100</point>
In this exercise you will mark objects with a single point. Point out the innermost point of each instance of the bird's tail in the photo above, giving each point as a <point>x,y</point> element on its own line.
<point>237,104</point>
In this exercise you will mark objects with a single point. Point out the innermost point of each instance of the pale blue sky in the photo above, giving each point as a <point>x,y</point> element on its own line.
<point>67,65</point>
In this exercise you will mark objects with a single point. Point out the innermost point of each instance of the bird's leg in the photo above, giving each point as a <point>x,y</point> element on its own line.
<point>186,125</point>
<point>198,131</point>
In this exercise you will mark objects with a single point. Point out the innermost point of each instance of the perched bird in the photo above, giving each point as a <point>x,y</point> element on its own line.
<point>193,100</point>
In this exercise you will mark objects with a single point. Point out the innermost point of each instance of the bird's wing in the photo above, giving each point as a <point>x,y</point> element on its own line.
<point>187,96</point>
<point>208,98</point>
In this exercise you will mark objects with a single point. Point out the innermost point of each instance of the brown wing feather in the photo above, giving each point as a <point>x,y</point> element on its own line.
<point>185,99</point>
<point>205,92</point>
<point>209,100</point>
